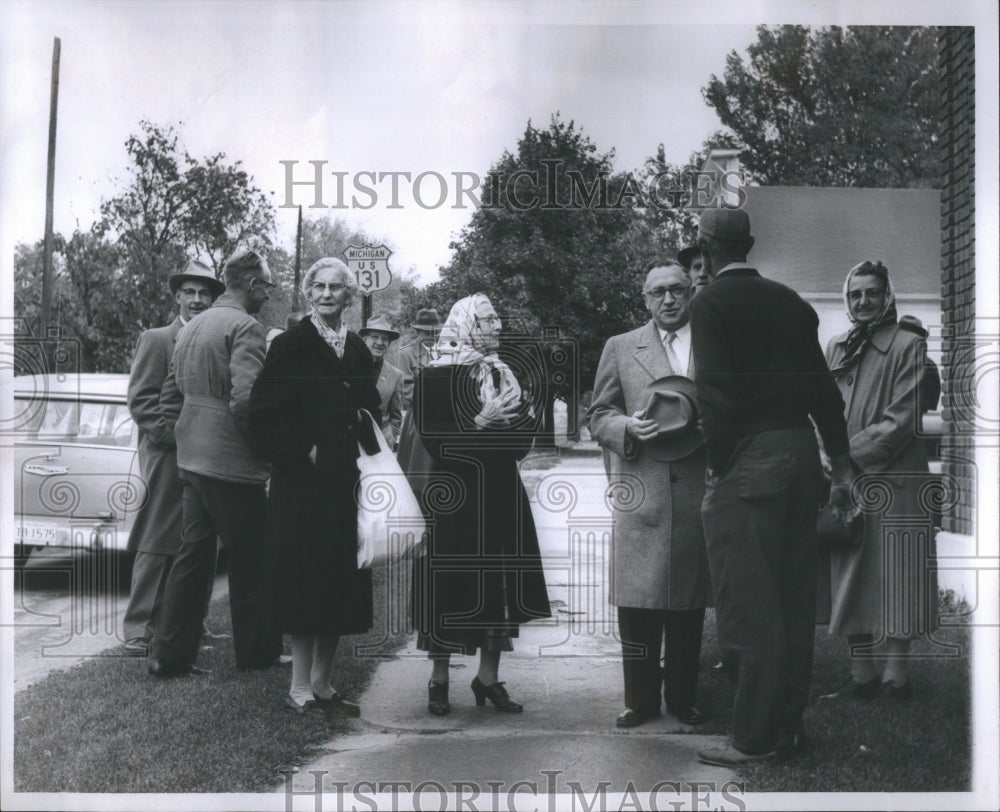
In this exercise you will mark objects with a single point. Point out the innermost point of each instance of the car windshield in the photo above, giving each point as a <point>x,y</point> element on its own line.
<point>70,421</point>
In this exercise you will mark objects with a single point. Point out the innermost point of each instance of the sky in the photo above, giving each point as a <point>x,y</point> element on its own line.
<point>420,87</point>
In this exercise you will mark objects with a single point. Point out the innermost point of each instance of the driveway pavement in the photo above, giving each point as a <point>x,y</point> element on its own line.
<point>567,674</point>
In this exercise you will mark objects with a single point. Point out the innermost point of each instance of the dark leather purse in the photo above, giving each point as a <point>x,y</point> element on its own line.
<point>833,533</point>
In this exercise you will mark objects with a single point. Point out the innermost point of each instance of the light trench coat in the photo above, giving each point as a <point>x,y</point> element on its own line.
<point>886,586</point>
<point>658,557</point>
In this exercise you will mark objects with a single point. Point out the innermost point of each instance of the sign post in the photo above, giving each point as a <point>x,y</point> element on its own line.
<point>370,264</point>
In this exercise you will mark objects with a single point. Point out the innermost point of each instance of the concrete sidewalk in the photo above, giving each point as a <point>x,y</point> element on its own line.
<point>567,674</point>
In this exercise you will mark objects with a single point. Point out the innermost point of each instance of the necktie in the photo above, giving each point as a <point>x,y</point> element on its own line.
<point>673,360</point>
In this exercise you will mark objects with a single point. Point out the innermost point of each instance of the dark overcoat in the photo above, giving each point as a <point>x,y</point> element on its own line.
<point>306,396</point>
<point>157,526</point>
<point>483,568</point>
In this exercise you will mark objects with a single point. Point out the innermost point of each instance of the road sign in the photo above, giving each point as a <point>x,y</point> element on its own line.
<point>370,264</point>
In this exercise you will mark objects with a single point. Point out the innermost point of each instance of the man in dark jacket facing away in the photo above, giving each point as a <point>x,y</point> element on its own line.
<point>761,377</point>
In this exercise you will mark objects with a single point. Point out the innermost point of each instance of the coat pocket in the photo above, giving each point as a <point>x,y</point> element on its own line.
<point>763,473</point>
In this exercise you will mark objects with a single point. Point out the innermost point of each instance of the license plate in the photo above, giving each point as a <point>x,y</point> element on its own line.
<point>38,532</point>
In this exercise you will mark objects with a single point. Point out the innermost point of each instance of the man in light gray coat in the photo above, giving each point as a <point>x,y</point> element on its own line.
<point>660,580</point>
<point>206,400</point>
<point>156,534</point>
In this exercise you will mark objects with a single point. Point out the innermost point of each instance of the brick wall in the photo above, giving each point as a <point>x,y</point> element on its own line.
<point>958,268</point>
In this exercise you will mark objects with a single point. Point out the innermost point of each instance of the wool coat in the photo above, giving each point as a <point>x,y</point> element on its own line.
<point>658,556</point>
<point>307,397</point>
<point>886,586</point>
<point>157,526</point>
<point>205,397</point>
<point>483,568</point>
<point>390,391</point>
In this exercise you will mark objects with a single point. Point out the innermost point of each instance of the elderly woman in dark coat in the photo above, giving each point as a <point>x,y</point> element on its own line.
<point>304,415</point>
<point>885,588</point>
<point>482,575</point>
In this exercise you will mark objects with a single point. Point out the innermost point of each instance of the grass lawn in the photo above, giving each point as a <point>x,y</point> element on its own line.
<point>883,745</point>
<point>107,726</point>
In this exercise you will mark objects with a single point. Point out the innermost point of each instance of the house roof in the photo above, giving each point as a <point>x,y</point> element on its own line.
<point>810,237</point>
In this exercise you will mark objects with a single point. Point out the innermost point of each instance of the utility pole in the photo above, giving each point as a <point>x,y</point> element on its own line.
<point>50,182</point>
<point>298,265</point>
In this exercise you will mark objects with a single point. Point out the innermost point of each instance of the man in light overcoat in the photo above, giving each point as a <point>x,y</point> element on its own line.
<point>659,567</point>
<point>156,534</point>
<point>378,335</point>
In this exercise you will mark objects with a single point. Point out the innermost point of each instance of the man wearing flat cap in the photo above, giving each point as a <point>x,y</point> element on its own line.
<point>156,534</point>
<point>378,335</point>
<point>761,378</point>
<point>644,415</point>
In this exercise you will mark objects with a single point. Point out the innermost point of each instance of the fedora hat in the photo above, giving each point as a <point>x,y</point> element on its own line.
<point>427,319</point>
<point>686,255</point>
<point>196,272</point>
<point>670,401</point>
<point>379,325</point>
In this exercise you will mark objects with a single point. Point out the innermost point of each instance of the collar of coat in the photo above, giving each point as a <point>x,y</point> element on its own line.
<point>881,339</point>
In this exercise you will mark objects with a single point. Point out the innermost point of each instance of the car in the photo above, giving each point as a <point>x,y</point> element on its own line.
<point>76,470</point>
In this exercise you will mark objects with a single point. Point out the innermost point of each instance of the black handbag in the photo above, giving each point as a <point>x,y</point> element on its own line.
<point>833,533</point>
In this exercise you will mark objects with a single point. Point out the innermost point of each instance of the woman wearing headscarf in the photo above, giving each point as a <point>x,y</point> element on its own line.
<point>482,576</point>
<point>305,419</point>
<point>883,590</point>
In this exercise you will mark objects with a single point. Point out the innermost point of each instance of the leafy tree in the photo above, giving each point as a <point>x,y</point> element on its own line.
<point>173,205</point>
<point>853,106</point>
<point>94,304</point>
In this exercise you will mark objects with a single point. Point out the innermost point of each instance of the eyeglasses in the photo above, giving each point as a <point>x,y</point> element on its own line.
<point>193,293</point>
<point>268,285</point>
<point>319,288</point>
<point>675,291</point>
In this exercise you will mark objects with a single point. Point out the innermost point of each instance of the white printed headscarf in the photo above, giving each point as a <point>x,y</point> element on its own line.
<point>460,343</point>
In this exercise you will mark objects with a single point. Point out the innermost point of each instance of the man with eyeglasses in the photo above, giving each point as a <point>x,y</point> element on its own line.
<point>659,569</point>
<point>378,335</point>
<point>156,535</point>
<point>206,401</point>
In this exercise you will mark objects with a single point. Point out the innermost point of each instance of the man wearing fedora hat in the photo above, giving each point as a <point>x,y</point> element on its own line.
<point>644,414</point>
<point>378,335</point>
<point>762,377</point>
<point>414,356</point>
<point>156,534</point>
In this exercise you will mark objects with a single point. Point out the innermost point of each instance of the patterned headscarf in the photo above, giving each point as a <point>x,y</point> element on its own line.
<point>461,342</point>
<point>860,336</point>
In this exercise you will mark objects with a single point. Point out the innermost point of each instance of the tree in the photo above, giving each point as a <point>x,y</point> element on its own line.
<point>853,106</point>
<point>553,245</point>
<point>174,205</point>
<point>94,303</point>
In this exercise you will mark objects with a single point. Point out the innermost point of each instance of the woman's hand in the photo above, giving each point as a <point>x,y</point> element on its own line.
<point>499,411</point>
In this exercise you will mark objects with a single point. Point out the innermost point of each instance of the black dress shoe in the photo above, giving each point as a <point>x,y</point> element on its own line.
<point>305,707</point>
<point>167,668</point>
<point>633,718</point>
<point>864,690</point>
<point>689,715</point>
<point>898,692</point>
<point>339,704</point>
<point>496,694</point>
<point>437,698</point>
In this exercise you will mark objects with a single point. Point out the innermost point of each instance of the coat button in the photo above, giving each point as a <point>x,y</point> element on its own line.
<point>850,380</point>
<point>347,384</point>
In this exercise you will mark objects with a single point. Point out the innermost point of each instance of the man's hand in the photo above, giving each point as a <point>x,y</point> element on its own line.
<point>641,428</point>
<point>840,488</point>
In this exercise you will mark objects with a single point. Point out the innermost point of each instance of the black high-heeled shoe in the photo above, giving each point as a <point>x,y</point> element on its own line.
<point>496,694</point>
<point>437,698</point>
